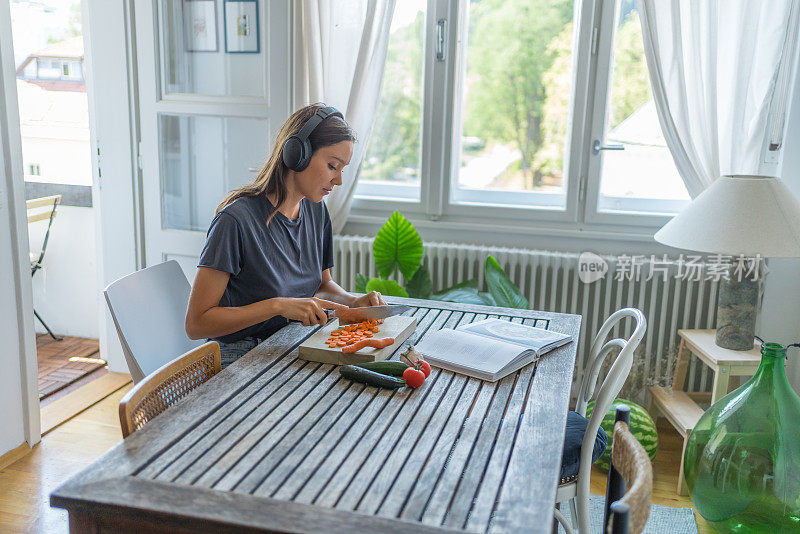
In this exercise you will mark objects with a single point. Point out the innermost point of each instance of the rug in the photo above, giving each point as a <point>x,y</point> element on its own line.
<point>661,519</point>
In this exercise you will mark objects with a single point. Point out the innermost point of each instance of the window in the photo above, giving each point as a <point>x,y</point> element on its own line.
<point>515,65</point>
<point>75,70</point>
<point>392,163</point>
<point>49,69</point>
<point>631,125</point>
<point>491,109</point>
<point>33,169</point>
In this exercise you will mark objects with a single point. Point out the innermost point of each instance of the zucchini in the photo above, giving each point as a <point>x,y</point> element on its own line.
<point>359,374</point>
<point>386,368</point>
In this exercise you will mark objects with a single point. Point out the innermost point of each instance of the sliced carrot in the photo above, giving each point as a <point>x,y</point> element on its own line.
<point>376,343</point>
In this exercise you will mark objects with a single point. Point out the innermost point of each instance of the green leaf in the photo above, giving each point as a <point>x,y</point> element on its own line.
<point>487,299</point>
<point>465,293</point>
<point>397,244</point>
<point>505,293</point>
<point>386,287</point>
<point>472,282</point>
<point>361,283</point>
<point>420,285</point>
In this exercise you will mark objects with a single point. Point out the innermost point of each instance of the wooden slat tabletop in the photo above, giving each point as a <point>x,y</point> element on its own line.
<point>278,444</point>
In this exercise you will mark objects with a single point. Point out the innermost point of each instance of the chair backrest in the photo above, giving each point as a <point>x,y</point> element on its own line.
<point>627,511</point>
<point>167,385</point>
<point>40,209</point>
<point>149,311</point>
<point>611,385</point>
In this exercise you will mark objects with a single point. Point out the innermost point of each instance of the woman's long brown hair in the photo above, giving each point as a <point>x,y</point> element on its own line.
<point>272,177</point>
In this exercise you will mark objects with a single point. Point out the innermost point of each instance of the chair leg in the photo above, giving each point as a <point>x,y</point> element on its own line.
<point>583,516</point>
<point>560,519</point>
<point>47,327</point>
<point>573,510</point>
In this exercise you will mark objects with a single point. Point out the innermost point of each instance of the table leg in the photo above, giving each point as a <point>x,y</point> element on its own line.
<point>82,523</point>
<point>720,388</point>
<point>681,366</point>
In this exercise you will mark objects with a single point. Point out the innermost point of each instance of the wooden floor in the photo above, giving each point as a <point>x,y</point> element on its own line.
<point>66,362</point>
<point>26,484</point>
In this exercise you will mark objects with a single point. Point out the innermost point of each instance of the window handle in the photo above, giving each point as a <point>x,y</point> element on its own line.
<point>597,147</point>
<point>441,37</point>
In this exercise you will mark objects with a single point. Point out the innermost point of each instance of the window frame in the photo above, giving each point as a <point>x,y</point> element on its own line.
<point>441,129</point>
<point>633,215</point>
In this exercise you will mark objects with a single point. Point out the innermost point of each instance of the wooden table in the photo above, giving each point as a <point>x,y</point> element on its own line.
<point>277,444</point>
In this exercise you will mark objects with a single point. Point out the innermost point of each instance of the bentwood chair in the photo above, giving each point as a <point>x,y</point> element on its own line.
<point>574,488</point>
<point>42,209</point>
<point>626,511</point>
<point>166,386</point>
<point>149,311</point>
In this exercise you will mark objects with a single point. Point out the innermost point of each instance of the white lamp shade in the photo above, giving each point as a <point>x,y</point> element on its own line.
<point>746,215</point>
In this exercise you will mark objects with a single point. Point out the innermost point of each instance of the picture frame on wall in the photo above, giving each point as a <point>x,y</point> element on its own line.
<point>200,25</point>
<point>241,26</point>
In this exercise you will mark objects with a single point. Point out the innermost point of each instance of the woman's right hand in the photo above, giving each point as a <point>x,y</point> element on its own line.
<point>309,311</point>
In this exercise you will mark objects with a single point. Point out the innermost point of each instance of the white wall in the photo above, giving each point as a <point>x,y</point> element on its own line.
<point>65,291</point>
<point>11,425</point>
<point>19,416</point>
<point>780,312</point>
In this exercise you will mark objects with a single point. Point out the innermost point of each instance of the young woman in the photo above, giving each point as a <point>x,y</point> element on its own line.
<point>269,249</point>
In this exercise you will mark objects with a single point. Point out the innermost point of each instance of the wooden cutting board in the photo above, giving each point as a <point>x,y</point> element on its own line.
<point>315,349</point>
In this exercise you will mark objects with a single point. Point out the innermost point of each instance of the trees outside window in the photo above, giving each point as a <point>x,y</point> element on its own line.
<point>509,116</point>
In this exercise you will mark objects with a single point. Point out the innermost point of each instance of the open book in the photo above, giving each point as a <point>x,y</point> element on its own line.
<point>488,349</point>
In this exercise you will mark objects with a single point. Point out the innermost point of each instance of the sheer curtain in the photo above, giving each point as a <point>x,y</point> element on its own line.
<point>719,71</point>
<point>340,54</point>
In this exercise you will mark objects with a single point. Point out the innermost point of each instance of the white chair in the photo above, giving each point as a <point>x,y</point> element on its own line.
<point>149,311</point>
<point>577,491</point>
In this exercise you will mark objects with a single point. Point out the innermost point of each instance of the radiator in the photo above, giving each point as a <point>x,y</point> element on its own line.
<point>550,281</point>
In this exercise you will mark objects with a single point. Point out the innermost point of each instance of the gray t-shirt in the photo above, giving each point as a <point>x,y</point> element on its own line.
<point>283,259</point>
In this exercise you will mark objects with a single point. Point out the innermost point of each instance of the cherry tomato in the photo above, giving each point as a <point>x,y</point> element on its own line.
<point>413,377</point>
<point>425,367</point>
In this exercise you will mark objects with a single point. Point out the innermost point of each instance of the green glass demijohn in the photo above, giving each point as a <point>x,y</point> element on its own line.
<point>742,460</point>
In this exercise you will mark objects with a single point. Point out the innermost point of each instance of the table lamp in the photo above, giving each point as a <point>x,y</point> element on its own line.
<point>738,215</point>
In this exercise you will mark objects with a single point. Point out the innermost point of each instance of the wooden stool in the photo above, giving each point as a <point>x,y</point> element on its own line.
<point>681,408</point>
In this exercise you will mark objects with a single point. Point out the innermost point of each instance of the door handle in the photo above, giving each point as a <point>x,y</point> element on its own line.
<point>597,147</point>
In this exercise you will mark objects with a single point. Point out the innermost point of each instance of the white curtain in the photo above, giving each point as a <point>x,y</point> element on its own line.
<point>340,54</point>
<point>719,70</point>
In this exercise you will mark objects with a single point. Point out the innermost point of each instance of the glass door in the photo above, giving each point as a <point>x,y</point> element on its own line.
<point>213,90</point>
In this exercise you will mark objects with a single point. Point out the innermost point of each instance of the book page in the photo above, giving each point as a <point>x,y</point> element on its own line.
<point>529,337</point>
<point>467,351</point>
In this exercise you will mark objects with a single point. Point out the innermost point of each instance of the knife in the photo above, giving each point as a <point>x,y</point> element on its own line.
<point>367,313</point>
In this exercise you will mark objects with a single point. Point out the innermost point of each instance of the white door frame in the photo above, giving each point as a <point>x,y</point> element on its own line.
<point>110,70</point>
<point>12,190</point>
<point>112,115</point>
<point>162,241</point>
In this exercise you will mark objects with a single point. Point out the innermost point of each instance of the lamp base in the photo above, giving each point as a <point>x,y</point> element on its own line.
<point>737,309</point>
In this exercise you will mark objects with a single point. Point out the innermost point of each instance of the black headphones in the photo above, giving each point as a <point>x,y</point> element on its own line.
<point>296,152</point>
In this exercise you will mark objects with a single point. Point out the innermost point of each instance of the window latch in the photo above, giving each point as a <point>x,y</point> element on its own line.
<point>441,38</point>
<point>597,147</point>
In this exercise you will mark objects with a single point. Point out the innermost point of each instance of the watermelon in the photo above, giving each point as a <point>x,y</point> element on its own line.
<point>642,427</point>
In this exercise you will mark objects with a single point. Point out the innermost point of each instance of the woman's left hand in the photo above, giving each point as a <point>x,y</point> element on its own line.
<point>373,298</point>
